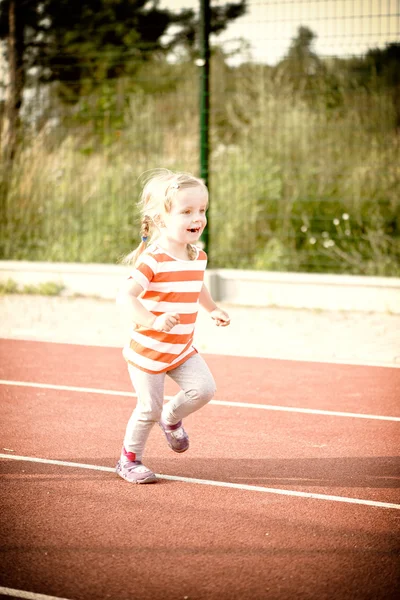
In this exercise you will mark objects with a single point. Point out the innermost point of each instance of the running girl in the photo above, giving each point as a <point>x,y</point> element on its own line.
<point>162,296</point>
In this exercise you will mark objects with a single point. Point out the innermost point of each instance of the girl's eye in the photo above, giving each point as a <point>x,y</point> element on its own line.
<point>202,210</point>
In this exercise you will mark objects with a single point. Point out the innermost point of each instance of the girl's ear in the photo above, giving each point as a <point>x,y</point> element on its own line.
<point>158,221</point>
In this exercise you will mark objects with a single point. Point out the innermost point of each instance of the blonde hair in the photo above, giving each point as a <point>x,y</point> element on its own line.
<point>160,187</point>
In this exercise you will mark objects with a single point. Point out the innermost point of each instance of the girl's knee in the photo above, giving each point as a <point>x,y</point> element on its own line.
<point>148,416</point>
<point>210,392</point>
<point>202,394</point>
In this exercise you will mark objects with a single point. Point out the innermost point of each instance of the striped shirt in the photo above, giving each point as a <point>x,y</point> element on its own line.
<point>169,285</point>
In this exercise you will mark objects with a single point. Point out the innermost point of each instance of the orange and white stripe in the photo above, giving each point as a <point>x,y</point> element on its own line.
<point>169,285</point>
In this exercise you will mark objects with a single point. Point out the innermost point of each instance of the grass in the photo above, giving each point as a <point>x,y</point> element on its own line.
<point>48,288</point>
<point>294,187</point>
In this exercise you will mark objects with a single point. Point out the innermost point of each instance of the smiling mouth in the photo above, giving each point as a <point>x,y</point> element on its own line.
<point>194,230</point>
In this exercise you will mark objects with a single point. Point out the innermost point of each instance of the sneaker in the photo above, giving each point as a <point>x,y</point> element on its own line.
<point>177,438</point>
<point>135,472</point>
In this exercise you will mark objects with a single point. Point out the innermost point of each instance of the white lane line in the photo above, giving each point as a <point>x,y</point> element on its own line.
<point>309,411</point>
<point>5,591</point>
<point>67,388</point>
<point>330,361</point>
<point>223,484</point>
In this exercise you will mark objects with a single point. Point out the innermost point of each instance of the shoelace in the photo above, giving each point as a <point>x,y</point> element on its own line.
<point>178,434</point>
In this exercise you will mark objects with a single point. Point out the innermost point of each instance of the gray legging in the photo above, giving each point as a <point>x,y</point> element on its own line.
<point>197,388</point>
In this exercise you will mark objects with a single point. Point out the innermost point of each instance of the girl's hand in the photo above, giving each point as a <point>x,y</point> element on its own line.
<point>166,322</point>
<point>220,317</point>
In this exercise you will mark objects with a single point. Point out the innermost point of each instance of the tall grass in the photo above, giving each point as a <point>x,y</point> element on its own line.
<point>294,185</point>
<point>306,190</point>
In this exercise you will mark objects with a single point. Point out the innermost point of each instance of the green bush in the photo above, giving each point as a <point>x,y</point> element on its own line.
<point>8,287</point>
<point>47,288</point>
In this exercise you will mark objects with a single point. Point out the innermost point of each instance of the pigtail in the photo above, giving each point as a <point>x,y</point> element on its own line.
<point>133,257</point>
<point>145,229</point>
<point>192,253</point>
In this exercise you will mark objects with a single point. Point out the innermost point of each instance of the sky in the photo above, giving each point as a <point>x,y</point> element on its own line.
<point>343,27</point>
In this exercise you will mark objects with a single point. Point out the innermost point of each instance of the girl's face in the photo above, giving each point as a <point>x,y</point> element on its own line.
<point>186,220</point>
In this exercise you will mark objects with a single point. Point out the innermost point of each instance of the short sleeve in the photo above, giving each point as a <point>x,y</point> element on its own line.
<point>202,255</point>
<point>144,271</point>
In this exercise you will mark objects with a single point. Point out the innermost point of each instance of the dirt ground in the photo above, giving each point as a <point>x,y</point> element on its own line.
<point>326,336</point>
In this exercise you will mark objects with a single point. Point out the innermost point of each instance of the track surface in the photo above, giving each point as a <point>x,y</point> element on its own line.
<point>85,534</point>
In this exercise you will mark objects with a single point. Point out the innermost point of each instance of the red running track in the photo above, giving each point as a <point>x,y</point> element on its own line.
<point>85,534</point>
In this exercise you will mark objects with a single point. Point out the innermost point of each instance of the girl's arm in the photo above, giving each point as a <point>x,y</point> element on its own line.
<point>220,316</point>
<point>127,299</point>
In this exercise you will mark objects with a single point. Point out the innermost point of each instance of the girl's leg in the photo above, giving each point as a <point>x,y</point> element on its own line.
<point>150,392</point>
<point>197,388</point>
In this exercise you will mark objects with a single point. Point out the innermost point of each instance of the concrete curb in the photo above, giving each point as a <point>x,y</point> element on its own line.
<point>236,287</point>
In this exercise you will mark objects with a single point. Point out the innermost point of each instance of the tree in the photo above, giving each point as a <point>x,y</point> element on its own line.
<point>308,76</point>
<point>81,43</point>
<point>15,47</point>
<point>379,69</point>
<point>301,63</point>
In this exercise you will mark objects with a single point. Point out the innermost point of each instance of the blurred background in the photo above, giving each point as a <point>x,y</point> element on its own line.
<point>303,128</point>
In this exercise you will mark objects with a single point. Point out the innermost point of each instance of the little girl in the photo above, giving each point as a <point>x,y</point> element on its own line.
<point>161,296</point>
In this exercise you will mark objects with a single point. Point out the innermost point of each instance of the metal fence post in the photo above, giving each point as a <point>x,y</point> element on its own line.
<point>204,64</point>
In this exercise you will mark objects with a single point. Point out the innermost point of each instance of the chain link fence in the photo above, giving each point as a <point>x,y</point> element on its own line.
<point>304,146</point>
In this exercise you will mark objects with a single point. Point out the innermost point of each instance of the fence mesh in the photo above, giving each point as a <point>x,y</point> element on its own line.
<point>304,145</point>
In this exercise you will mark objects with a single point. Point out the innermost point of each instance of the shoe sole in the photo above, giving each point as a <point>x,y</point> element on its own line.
<point>179,451</point>
<point>149,479</point>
